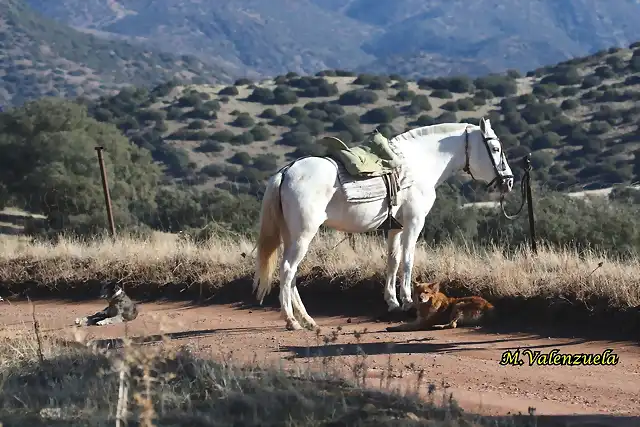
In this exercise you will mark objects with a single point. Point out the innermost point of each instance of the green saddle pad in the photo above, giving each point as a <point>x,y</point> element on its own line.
<point>371,158</point>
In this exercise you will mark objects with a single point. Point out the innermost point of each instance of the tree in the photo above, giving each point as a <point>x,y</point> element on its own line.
<point>48,164</point>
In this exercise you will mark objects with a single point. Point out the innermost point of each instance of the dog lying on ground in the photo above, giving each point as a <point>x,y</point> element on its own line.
<point>120,308</point>
<point>435,310</point>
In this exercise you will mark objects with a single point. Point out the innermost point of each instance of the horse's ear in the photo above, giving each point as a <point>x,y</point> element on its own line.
<point>435,287</point>
<point>483,125</point>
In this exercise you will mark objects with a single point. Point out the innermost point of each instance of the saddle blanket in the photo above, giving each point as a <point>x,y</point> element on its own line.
<point>362,189</point>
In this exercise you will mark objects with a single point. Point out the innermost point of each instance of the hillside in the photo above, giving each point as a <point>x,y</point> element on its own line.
<point>578,118</point>
<point>258,38</point>
<point>41,57</point>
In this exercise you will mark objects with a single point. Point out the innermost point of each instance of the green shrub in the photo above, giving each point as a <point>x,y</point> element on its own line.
<point>296,139</point>
<point>245,138</point>
<point>297,112</point>
<point>262,95</point>
<point>425,120</point>
<point>283,120</point>
<point>419,104</point>
<point>569,104</point>
<point>212,170</point>
<point>210,147</point>
<point>241,158</point>
<point>242,82</point>
<point>404,95</point>
<point>197,124</point>
<point>265,162</point>
<point>442,94</point>
<point>260,132</point>
<point>500,86</point>
<point>243,120</point>
<point>282,95</point>
<point>229,91</point>
<point>380,115</point>
<point>358,97</point>
<point>563,76</point>
<point>222,135</point>
<point>269,113</point>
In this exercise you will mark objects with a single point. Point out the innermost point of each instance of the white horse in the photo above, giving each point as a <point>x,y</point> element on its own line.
<point>306,194</point>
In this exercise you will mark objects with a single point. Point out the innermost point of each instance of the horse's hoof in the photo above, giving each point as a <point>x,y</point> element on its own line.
<point>311,326</point>
<point>293,326</point>
<point>407,306</point>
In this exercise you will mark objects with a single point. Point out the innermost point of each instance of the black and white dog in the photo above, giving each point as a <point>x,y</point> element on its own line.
<point>120,308</point>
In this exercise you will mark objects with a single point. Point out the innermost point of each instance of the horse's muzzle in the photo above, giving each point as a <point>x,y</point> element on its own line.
<point>505,185</point>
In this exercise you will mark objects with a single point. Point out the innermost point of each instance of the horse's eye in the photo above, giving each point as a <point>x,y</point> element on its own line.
<point>496,149</point>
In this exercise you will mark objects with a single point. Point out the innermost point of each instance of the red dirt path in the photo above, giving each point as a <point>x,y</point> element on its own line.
<point>466,360</point>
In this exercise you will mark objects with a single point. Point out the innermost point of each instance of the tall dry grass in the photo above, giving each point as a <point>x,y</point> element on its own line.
<point>165,258</point>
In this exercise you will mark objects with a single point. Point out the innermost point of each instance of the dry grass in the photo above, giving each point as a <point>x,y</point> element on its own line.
<point>77,384</point>
<point>166,259</point>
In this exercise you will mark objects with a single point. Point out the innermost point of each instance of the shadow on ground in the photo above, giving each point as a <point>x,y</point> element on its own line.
<point>342,297</point>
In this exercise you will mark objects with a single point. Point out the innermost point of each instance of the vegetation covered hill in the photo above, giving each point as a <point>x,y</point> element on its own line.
<point>42,57</point>
<point>305,36</point>
<point>578,118</point>
<point>217,143</point>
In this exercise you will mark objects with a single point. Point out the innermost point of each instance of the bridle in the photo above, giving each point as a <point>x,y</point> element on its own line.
<point>498,169</point>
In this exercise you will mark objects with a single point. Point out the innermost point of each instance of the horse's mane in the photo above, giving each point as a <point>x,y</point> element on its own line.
<point>441,128</point>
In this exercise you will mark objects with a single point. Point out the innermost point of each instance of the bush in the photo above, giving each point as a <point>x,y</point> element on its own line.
<point>466,104</point>
<point>547,140</point>
<point>296,138</point>
<point>243,120</point>
<point>442,94</point>
<point>419,104</point>
<point>229,91</point>
<point>262,95</point>
<point>569,104</point>
<point>283,120</point>
<point>245,138</point>
<point>242,82</point>
<point>197,124</point>
<point>425,120</point>
<point>447,117</point>
<point>223,136</point>
<point>241,158</point>
<point>378,83</point>
<point>404,95</point>
<point>380,115</point>
<point>269,113</point>
<point>260,132</point>
<point>500,86</point>
<point>210,147</point>
<point>214,171</point>
<point>282,95</point>
<point>564,76</point>
<point>541,159</point>
<point>297,112</point>
<point>358,97</point>
<point>266,162</point>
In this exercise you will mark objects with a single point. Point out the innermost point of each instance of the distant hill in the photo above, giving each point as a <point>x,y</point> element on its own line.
<point>42,57</point>
<point>578,118</point>
<point>412,37</point>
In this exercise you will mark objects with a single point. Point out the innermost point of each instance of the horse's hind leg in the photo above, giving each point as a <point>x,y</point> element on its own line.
<point>393,263</point>
<point>293,255</point>
<point>299,310</point>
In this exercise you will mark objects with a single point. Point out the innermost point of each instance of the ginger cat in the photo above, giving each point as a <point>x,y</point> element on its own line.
<point>435,310</point>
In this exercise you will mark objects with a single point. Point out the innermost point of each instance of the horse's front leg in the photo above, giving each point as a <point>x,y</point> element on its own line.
<point>393,263</point>
<point>409,239</point>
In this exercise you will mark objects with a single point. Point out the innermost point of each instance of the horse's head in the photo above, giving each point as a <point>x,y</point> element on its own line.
<point>485,159</point>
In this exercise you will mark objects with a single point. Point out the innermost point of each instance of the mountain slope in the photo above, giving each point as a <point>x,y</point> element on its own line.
<point>42,57</point>
<point>265,38</point>
<point>579,119</point>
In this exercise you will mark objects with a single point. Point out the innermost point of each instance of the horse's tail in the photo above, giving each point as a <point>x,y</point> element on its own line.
<point>271,222</point>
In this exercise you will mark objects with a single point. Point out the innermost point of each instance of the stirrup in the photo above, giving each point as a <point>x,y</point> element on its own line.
<point>390,224</point>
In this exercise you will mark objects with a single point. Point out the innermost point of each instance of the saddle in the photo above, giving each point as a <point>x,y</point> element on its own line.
<point>371,159</point>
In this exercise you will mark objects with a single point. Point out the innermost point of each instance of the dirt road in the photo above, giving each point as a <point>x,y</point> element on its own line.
<point>464,360</point>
